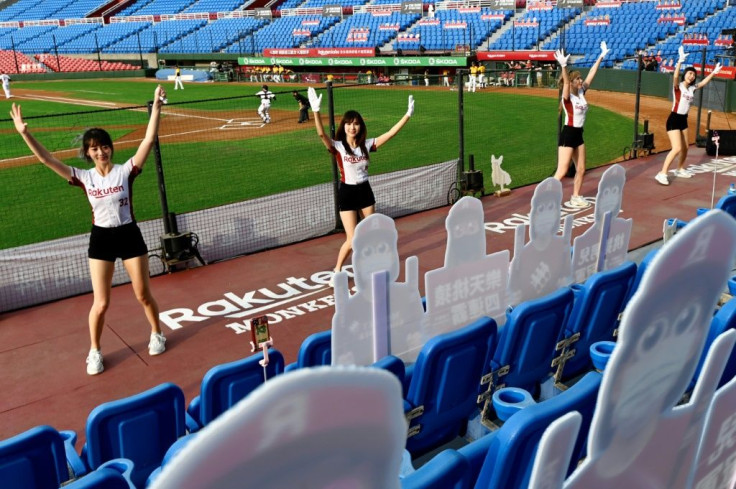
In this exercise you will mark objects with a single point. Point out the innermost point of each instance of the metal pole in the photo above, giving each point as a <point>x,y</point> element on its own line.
<point>169,223</point>
<point>335,171</point>
<point>99,59</point>
<point>140,49</point>
<point>539,34</point>
<point>700,100</point>
<point>56,52</point>
<point>461,123</point>
<point>638,99</point>
<point>15,54</point>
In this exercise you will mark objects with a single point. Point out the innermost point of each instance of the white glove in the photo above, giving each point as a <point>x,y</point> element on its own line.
<point>314,101</point>
<point>681,55</point>
<point>561,58</point>
<point>604,49</point>
<point>410,109</point>
<point>717,68</point>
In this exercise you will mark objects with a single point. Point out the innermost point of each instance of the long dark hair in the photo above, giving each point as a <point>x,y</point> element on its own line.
<point>352,116</point>
<point>94,135</point>
<point>690,68</point>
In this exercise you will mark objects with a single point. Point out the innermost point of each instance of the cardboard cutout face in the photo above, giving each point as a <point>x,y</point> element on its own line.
<point>610,192</point>
<point>472,284</point>
<point>375,249</point>
<point>543,264</point>
<point>587,246</point>
<point>640,437</point>
<point>660,341</point>
<point>466,235</point>
<point>544,221</point>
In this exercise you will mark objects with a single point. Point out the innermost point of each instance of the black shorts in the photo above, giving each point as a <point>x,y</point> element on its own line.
<point>571,137</point>
<point>676,122</point>
<point>122,242</point>
<point>355,197</point>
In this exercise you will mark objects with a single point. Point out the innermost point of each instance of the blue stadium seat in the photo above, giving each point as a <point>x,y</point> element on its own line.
<point>38,458</point>
<point>503,458</point>
<point>141,428</point>
<point>527,341</point>
<point>316,349</point>
<point>723,320</point>
<point>114,474</point>
<point>640,270</point>
<point>594,317</point>
<point>446,470</point>
<point>515,444</point>
<point>226,384</point>
<point>444,385</point>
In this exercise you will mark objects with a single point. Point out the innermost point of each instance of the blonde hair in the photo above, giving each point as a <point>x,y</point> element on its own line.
<point>571,76</point>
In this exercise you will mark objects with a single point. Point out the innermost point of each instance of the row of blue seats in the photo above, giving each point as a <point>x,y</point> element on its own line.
<point>277,37</point>
<point>441,389</point>
<point>149,428</point>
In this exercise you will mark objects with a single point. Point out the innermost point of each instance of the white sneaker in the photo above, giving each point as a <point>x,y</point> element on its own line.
<point>94,362</point>
<point>662,178</point>
<point>578,201</point>
<point>157,344</point>
<point>680,173</point>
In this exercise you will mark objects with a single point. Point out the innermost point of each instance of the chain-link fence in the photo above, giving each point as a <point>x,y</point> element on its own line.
<point>223,182</point>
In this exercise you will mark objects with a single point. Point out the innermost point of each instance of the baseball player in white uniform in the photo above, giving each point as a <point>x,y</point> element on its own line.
<point>267,97</point>
<point>5,78</point>
<point>114,234</point>
<point>177,79</point>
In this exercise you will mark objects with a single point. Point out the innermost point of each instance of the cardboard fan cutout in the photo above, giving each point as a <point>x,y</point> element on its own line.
<point>317,428</point>
<point>472,284</point>
<point>542,265</point>
<point>375,250</point>
<point>640,437</point>
<point>609,235</point>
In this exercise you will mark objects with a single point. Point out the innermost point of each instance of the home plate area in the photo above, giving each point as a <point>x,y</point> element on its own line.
<point>241,123</point>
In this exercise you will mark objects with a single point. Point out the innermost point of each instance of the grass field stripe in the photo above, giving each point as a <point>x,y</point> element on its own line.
<point>72,101</point>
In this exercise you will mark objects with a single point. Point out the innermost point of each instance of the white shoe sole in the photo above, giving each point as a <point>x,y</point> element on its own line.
<point>95,372</point>
<point>578,205</point>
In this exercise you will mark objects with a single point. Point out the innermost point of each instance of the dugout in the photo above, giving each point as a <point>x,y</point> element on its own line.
<point>187,75</point>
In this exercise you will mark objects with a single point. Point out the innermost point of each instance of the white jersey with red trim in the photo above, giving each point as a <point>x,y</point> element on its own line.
<point>111,196</point>
<point>575,109</point>
<point>353,167</point>
<point>682,98</point>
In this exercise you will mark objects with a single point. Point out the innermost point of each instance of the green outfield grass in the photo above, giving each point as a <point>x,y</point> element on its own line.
<point>38,206</point>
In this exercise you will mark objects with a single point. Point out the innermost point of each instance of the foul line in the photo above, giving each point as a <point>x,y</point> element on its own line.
<point>73,101</point>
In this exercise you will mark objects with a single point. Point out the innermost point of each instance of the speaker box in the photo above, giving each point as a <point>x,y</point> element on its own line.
<point>647,140</point>
<point>473,180</point>
<point>176,245</point>
<point>727,143</point>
